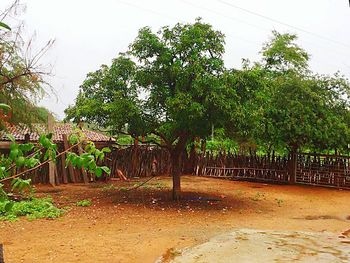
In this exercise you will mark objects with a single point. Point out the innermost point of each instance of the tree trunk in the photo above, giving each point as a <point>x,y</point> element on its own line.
<point>176,173</point>
<point>176,152</point>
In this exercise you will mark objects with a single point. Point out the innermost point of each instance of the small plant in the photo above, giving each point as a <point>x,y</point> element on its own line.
<point>83,202</point>
<point>160,185</point>
<point>33,208</point>
<point>108,187</point>
<point>258,196</point>
<point>123,189</point>
<point>279,202</point>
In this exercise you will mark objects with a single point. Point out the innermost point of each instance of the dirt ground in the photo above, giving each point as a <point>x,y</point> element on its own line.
<point>144,224</point>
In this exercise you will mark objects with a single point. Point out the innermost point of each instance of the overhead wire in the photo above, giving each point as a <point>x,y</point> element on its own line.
<point>283,23</point>
<point>245,22</point>
<point>264,29</point>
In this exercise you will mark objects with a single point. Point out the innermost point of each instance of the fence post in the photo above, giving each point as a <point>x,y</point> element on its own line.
<point>53,179</point>
<point>293,167</point>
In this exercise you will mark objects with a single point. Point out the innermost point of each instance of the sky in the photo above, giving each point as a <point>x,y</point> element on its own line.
<point>90,33</point>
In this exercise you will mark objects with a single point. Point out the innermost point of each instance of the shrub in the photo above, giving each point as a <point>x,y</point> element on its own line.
<point>33,208</point>
<point>83,202</point>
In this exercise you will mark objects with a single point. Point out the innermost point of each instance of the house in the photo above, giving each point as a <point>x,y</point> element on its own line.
<point>59,130</point>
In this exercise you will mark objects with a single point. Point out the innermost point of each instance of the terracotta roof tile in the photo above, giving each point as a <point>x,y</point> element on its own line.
<point>59,129</point>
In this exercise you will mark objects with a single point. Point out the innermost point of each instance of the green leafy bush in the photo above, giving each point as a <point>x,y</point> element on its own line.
<point>84,202</point>
<point>34,208</point>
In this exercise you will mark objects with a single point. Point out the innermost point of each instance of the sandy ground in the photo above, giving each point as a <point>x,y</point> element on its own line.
<point>142,225</point>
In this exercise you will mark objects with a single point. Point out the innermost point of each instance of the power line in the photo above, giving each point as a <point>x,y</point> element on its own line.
<point>228,17</point>
<point>252,25</point>
<point>283,23</point>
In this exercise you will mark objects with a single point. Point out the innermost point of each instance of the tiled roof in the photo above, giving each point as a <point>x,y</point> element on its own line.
<point>58,130</point>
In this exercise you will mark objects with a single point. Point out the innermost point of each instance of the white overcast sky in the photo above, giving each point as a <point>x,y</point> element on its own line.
<point>90,33</point>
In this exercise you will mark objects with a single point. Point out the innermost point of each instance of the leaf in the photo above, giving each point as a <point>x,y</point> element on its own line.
<point>49,136</point>
<point>106,170</point>
<point>26,147</point>
<point>3,25</point>
<point>98,171</point>
<point>79,162</point>
<point>11,137</point>
<point>20,161</point>
<point>92,166</point>
<point>5,107</point>
<point>13,154</point>
<point>8,206</point>
<point>32,162</point>
<point>20,184</point>
<point>106,150</point>
<point>42,138</point>
<point>73,139</point>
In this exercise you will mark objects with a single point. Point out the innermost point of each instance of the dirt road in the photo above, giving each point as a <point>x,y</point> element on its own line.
<point>142,225</point>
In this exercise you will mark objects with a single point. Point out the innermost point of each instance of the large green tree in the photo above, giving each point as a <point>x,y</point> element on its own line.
<point>172,84</point>
<point>301,109</point>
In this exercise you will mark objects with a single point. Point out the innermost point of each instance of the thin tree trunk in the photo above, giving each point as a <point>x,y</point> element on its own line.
<point>176,174</point>
<point>176,165</point>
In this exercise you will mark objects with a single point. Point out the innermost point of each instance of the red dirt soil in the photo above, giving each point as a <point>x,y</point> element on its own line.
<point>142,225</point>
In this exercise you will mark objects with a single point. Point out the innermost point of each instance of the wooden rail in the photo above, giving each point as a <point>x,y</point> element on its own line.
<point>247,173</point>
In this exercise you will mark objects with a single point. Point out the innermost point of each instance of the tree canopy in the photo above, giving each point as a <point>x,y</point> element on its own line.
<point>174,85</point>
<point>302,109</point>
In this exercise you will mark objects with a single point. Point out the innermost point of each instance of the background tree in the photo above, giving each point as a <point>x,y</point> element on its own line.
<point>22,76</point>
<point>301,109</point>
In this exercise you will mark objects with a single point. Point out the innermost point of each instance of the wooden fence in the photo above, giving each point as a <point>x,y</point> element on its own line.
<point>244,167</point>
<point>140,161</point>
<point>145,160</point>
<point>325,170</point>
<point>305,168</point>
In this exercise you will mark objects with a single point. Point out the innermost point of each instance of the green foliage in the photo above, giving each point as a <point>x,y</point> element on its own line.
<point>84,203</point>
<point>301,109</point>
<point>219,145</point>
<point>3,25</point>
<point>281,53</point>
<point>177,90</point>
<point>125,140</point>
<point>21,74</point>
<point>5,107</point>
<point>182,72</point>
<point>259,196</point>
<point>173,84</point>
<point>88,159</point>
<point>34,208</point>
<point>28,155</point>
<point>21,184</point>
<point>108,187</point>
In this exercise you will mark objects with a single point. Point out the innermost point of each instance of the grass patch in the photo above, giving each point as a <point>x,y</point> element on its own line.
<point>108,187</point>
<point>33,208</point>
<point>83,202</point>
<point>156,186</point>
<point>258,196</point>
<point>279,202</point>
